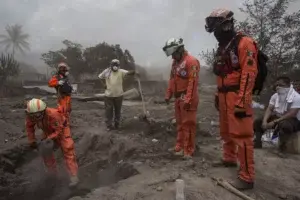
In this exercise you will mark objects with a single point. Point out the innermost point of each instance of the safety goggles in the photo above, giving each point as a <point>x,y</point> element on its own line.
<point>212,23</point>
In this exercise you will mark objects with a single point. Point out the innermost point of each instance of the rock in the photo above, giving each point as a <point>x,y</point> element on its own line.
<point>282,196</point>
<point>159,189</point>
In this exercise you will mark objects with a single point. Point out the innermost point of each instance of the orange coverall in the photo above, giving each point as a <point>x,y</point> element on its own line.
<point>237,133</point>
<point>55,127</point>
<point>183,85</point>
<point>64,101</point>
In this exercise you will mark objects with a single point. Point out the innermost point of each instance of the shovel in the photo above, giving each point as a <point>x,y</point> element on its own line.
<point>145,114</point>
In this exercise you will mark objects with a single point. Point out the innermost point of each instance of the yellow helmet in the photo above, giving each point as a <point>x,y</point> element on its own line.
<point>35,105</point>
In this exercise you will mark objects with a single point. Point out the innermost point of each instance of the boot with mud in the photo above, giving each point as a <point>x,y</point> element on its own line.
<point>257,144</point>
<point>257,141</point>
<point>176,153</point>
<point>109,128</point>
<point>73,181</point>
<point>187,157</point>
<point>223,163</point>
<point>242,185</point>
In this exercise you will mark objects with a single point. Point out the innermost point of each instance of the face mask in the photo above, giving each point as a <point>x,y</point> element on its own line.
<point>115,68</point>
<point>224,34</point>
<point>282,90</point>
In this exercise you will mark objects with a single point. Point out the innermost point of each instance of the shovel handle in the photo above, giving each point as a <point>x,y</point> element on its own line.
<point>142,96</point>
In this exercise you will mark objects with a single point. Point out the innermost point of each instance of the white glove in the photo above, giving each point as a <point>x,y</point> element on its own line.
<point>61,82</point>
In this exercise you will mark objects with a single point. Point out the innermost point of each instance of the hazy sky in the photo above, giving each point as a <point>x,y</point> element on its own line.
<point>142,26</point>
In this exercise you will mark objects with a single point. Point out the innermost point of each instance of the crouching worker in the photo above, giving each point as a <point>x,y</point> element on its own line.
<point>282,114</point>
<point>56,133</point>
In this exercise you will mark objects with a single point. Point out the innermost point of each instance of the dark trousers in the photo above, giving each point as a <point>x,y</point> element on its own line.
<point>113,107</point>
<point>284,129</point>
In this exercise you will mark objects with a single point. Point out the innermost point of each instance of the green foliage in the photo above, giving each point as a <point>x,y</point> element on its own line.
<point>89,60</point>
<point>9,67</point>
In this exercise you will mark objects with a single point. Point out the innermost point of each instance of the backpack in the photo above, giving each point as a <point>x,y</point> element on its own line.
<point>262,67</point>
<point>66,88</point>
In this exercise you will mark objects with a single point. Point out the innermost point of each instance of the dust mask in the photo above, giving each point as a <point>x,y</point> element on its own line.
<point>115,68</point>
<point>282,93</point>
<point>282,90</point>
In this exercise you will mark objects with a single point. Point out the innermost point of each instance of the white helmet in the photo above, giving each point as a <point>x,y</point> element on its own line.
<point>35,106</point>
<point>172,45</point>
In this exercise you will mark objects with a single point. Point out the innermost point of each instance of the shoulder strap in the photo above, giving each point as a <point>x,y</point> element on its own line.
<point>237,40</point>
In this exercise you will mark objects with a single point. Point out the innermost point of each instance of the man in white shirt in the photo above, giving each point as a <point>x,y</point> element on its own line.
<point>282,114</point>
<point>114,77</point>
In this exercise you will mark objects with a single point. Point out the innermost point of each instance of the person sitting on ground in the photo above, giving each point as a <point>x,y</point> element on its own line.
<point>114,77</point>
<point>282,114</point>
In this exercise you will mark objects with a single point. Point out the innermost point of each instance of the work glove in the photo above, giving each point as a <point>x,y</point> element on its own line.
<point>239,112</point>
<point>217,102</point>
<point>33,145</point>
<point>61,82</point>
<point>186,106</point>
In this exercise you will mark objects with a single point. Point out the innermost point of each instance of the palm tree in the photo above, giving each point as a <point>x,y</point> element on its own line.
<point>15,39</point>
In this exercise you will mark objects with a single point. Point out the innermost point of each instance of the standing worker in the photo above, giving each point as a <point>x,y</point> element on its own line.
<point>64,89</point>
<point>114,77</point>
<point>56,132</point>
<point>183,85</point>
<point>236,69</point>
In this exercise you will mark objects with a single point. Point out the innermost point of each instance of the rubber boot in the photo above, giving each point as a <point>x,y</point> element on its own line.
<point>223,163</point>
<point>242,185</point>
<point>73,181</point>
<point>257,141</point>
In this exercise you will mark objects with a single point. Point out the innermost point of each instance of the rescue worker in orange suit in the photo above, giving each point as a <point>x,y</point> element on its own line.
<point>63,88</point>
<point>236,69</point>
<point>183,86</point>
<point>56,131</point>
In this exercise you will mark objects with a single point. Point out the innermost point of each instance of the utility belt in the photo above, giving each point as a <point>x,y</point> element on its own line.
<point>229,88</point>
<point>180,94</point>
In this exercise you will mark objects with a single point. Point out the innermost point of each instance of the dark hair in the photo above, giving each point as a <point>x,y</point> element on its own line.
<point>285,79</point>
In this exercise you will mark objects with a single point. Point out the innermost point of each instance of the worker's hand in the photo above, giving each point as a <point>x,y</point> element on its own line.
<point>217,102</point>
<point>271,124</point>
<point>167,101</point>
<point>33,145</point>
<point>264,125</point>
<point>61,82</point>
<point>186,106</point>
<point>239,112</point>
<point>137,74</point>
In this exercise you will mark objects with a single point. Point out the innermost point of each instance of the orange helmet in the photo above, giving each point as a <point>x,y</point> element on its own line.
<point>217,18</point>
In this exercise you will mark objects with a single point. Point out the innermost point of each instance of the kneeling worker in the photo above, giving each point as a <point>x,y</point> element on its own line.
<point>56,130</point>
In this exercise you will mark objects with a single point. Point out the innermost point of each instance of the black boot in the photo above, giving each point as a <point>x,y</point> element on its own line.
<point>257,141</point>
<point>242,185</point>
<point>223,163</point>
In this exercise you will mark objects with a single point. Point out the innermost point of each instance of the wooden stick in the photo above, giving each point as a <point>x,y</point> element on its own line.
<point>231,189</point>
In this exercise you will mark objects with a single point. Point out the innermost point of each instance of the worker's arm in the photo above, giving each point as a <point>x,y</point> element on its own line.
<point>193,69</point>
<point>170,88</point>
<point>248,63</point>
<point>57,122</point>
<point>102,77</point>
<point>131,72</point>
<point>30,130</point>
<point>270,108</point>
<point>292,112</point>
<point>53,82</point>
